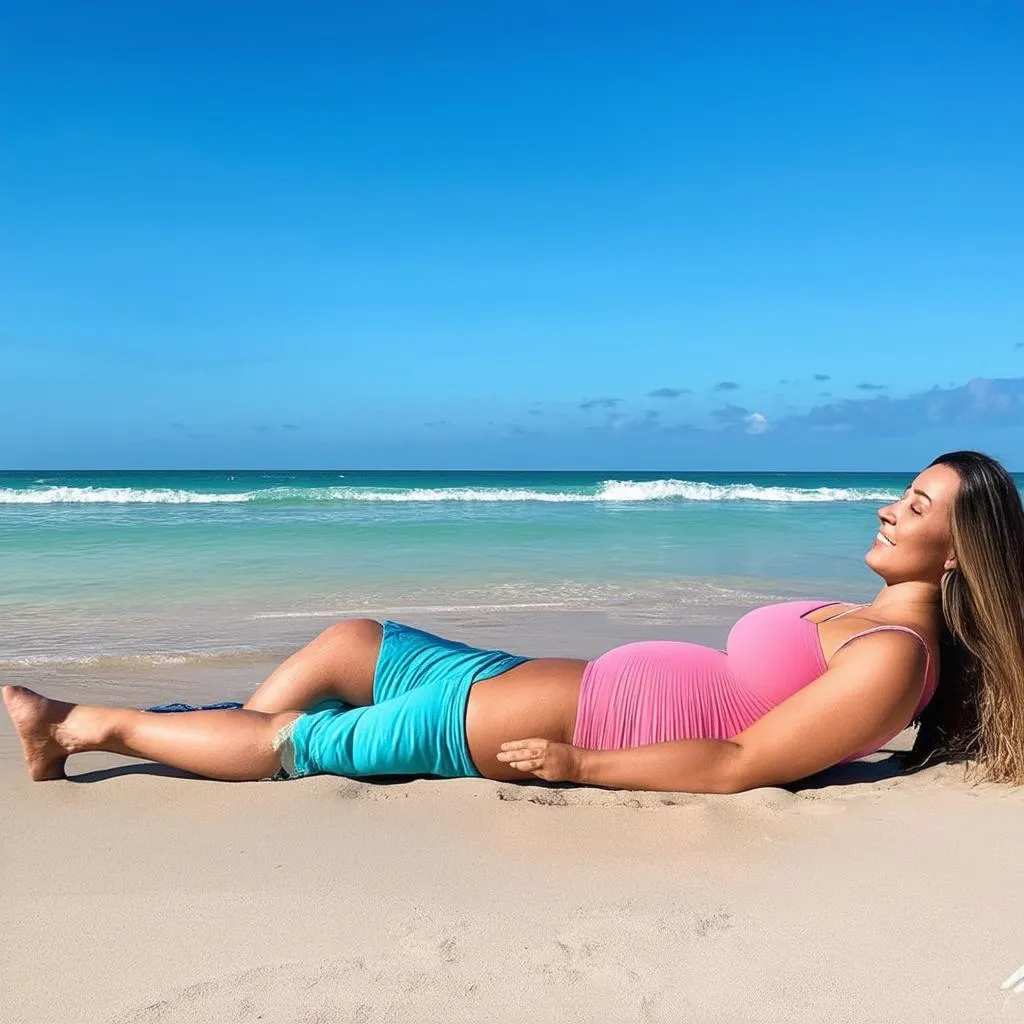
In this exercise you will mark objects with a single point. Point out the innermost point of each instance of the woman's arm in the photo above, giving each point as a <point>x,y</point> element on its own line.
<point>867,695</point>
<point>690,766</point>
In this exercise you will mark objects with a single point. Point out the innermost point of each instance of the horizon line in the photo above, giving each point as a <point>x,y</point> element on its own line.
<point>350,469</point>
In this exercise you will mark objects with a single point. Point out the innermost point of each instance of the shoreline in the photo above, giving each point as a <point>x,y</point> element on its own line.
<point>558,634</point>
<point>211,629</point>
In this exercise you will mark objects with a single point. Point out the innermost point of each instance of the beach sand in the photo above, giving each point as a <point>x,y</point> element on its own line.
<point>134,896</point>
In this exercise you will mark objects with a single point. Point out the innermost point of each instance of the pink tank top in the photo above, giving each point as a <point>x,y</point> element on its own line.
<point>659,690</point>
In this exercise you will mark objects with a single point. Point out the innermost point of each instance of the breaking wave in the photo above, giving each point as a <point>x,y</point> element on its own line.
<point>606,491</point>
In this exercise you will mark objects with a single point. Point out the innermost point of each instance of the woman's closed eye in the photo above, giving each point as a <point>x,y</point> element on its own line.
<point>913,508</point>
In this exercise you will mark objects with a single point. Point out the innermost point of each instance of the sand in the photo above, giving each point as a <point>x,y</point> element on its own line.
<point>135,896</point>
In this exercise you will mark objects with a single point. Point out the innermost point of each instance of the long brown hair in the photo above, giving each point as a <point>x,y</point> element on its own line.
<point>977,712</point>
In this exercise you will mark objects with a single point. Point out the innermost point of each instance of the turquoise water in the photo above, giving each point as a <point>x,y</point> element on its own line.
<point>160,563</point>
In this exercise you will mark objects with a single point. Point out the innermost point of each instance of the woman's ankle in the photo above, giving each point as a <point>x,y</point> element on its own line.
<point>87,728</point>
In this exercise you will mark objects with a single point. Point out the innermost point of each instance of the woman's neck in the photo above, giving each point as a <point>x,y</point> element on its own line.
<point>911,598</point>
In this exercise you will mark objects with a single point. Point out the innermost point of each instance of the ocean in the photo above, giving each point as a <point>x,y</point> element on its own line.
<point>174,567</point>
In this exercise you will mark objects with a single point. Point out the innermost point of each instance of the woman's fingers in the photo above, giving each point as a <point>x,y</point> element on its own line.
<point>547,759</point>
<point>516,744</point>
<point>519,750</point>
<point>521,760</point>
<point>524,755</point>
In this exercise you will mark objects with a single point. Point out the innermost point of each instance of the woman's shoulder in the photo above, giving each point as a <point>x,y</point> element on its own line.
<point>873,632</point>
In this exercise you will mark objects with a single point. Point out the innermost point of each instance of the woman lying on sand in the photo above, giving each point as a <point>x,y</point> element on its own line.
<point>804,684</point>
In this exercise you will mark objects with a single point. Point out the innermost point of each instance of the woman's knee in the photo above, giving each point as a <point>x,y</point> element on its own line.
<point>348,652</point>
<point>353,633</point>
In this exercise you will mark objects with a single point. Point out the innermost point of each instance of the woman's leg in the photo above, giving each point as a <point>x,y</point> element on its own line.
<point>340,663</point>
<point>229,745</point>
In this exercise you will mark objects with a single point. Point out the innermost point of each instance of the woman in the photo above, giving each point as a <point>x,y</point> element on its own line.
<point>804,685</point>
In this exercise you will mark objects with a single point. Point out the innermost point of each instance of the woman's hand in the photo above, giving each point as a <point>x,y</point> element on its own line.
<point>548,760</point>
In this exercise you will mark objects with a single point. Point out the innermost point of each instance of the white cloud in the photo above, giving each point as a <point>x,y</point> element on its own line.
<point>756,423</point>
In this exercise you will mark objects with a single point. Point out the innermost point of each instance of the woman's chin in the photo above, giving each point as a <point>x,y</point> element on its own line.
<point>870,559</point>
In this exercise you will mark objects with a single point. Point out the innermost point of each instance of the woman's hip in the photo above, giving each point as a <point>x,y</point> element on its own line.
<point>538,698</point>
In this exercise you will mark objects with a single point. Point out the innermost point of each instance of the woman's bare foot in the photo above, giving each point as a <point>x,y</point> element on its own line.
<point>38,722</point>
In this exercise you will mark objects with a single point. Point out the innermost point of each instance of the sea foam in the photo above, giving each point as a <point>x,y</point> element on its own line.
<point>606,491</point>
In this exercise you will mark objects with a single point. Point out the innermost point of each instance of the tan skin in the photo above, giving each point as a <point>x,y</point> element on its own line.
<point>520,724</point>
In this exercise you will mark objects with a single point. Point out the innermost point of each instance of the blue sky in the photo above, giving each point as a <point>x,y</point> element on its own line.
<point>511,235</point>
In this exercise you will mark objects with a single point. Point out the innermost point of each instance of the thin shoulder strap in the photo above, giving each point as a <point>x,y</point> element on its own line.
<point>902,629</point>
<point>839,615</point>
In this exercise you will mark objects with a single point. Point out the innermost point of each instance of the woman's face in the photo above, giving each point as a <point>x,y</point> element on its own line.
<point>915,542</point>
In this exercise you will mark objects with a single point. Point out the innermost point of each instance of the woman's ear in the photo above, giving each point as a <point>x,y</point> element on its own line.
<point>950,563</point>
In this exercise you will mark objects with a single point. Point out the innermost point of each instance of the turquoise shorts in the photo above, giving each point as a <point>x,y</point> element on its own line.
<point>417,722</point>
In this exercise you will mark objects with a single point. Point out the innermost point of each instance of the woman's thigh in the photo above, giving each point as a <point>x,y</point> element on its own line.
<point>535,699</point>
<point>339,663</point>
